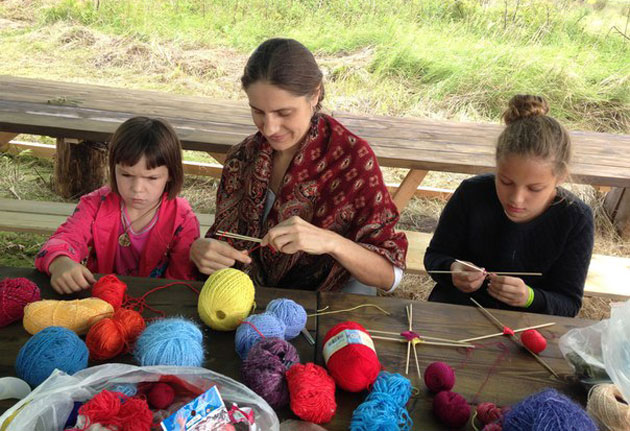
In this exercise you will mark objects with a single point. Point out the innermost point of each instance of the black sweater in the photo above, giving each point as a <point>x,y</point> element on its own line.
<point>474,227</point>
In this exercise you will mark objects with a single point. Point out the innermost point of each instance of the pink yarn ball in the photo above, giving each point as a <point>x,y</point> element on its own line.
<point>493,427</point>
<point>15,294</point>
<point>161,396</point>
<point>534,341</point>
<point>451,409</point>
<point>488,412</point>
<point>439,376</point>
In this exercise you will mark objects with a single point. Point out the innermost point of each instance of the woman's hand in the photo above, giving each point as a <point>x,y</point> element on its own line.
<point>466,278</point>
<point>68,276</point>
<point>510,290</point>
<point>295,234</point>
<point>211,255</point>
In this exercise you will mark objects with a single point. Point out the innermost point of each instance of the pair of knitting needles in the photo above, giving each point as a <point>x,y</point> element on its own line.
<point>476,268</point>
<point>237,236</point>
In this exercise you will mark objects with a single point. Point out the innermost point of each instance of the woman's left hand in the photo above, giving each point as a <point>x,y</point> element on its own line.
<point>510,290</point>
<point>295,234</point>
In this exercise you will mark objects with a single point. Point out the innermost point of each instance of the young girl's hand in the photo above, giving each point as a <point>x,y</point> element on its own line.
<point>210,255</point>
<point>296,234</point>
<point>466,278</point>
<point>511,290</point>
<point>68,276</point>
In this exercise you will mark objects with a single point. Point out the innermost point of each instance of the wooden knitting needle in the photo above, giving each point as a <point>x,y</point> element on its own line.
<point>500,325</point>
<point>424,337</point>
<point>428,343</point>
<point>489,272</point>
<point>237,236</point>
<point>415,353</point>
<point>483,337</point>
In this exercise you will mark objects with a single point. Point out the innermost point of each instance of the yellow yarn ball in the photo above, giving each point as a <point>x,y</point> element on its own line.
<point>77,315</point>
<point>227,297</point>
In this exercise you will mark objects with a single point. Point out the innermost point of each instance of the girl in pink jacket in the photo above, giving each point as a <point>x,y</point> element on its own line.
<point>137,226</point>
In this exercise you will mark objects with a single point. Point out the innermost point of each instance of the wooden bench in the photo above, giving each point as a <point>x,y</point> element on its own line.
<point>607,275</point>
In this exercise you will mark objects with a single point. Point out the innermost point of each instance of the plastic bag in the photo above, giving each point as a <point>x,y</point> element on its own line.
<point>49,405</point>
<point>616,347</point>
<point>582,349</point>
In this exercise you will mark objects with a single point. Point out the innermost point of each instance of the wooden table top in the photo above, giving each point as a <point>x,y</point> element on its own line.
<point>92,112</point>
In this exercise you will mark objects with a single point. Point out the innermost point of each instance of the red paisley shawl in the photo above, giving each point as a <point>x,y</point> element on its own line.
<point>333,182</point>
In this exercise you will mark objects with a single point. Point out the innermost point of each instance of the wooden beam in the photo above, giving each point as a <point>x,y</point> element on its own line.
<point>408,187</point>
<point>5,138</point>
<point>219,157</point>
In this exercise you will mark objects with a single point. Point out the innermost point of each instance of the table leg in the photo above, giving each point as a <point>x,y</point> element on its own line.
<point>408,187</point>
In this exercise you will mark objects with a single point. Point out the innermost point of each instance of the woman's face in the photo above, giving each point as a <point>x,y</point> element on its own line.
<point>282,118</point>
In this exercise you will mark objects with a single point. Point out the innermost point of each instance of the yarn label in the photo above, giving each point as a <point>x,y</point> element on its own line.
<point>204,413</point>
<point>345,338</point>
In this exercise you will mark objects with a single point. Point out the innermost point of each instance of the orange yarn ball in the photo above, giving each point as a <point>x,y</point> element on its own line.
<point>110,289</point>
<point>113,336</point>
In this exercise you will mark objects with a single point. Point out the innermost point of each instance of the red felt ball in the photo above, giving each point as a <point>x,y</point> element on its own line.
<point>110,289</point>
<point>311,393</point>
<point>534,341</point>
<point>15,294</point>
<point>439,376</point>
<point>488,412</point>
<point>354,366</point>
<point>451,409</point>
<point>161,396</point>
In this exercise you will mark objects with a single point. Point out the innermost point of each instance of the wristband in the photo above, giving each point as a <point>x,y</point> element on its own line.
<point>530,299</point>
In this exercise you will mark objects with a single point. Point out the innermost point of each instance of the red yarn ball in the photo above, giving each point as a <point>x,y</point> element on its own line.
<point>354,366</point>
<point>15,294</point>
<point>113,336</point>
<point>109,288</point>
<point>439,376</point>
<point>534,341</point>
<point>493,427</point>
<point>451,409</point>
<point>488,412</point>
<point>114,409</point>
<point>312,393</point>
<point>161,396</point>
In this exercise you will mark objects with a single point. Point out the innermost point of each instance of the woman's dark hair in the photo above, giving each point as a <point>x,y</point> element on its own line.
<point>156,140</point>
<point>287,64</point>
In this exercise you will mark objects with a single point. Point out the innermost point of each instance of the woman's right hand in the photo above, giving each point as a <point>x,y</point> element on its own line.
<point>211,255</point>
<point>68,276</point>
<point>466,278</point>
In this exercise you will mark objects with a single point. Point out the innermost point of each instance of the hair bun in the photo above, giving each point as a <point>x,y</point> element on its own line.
<point>523,106</point>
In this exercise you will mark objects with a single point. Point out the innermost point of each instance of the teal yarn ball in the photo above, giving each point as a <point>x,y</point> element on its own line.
<point>172,341</point>
<point>254,328</point>
<point>291,313</point>
<point>52,347</point>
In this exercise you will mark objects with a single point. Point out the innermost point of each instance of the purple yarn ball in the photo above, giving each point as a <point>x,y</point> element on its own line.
<point>265,367</point>
<point>548,410</point>
<point>248,332</point>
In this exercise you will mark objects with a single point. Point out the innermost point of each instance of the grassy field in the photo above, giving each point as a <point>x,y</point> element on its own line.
<point>454,59</point>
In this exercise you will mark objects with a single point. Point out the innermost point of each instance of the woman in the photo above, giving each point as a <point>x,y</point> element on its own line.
<point>312,190</point>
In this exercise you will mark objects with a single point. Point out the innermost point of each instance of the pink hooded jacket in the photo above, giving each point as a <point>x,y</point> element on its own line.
<point>92,232</point>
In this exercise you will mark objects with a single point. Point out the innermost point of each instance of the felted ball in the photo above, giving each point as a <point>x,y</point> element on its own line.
<point>172,341</point>
<point>546,411</point>
<point>451,409</point>
<point>110,289</point>
<point>161,395</point>
<point>15,294</point>
<point>312,393</point>
<point>77,315</point>
<point>439,376</point>
<point>254,328</point>
<point>488,413</point>
<point>52,347</point>
<point>227,297</point>
<point>265,368</point>
<point>113,336</point>
<point>350,356</point>
<point>534,341</point>
<point>291,313</point>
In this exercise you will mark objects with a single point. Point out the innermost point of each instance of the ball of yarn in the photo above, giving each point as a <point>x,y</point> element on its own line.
<point>488,413</point>
<point>110,337</point>
<point>350,356</point>
<point>439,376</point>
<point>172,341</point>
<point>265,367</point>
<point>607,406</point>
<point>115,411</point>
<point>492,427</point>
<point>77,315</point>
<point>110,289</point>
<point>161,395</point>
<point>545,411</point>
<point>451,409</point>
<point>72,417</point>
<point>15,293</point>
<point>227,297</point>
<point>533,340</point>
<point>312,393</point>
<point>291,313</point>
<point>254,328</point>
<point>52,347</point>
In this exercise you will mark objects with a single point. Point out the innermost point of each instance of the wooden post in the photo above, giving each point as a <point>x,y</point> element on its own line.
<point>617,205</point>
<point>408,187</point>
<point>80,167</point>
<point>5,138</point>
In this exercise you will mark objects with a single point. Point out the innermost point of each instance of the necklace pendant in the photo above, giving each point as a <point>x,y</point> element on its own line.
<point>124,240</point>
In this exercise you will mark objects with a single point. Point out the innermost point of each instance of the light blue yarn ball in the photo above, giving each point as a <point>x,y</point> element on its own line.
<point>394,385</point>
<point>128,389</point>
<point>52,347</point>
<point>246,336</point>
<point>291,313</point>
<point>172,341</point>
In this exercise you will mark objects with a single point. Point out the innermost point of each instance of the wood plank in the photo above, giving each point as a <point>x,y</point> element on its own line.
<point>5,138</point>
<point>408,188</point>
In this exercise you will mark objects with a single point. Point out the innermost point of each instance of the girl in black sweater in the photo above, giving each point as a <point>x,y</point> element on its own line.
<point>519,220</point>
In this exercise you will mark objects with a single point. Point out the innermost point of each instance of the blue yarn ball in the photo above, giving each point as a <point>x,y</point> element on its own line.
<point>128,389</point>
<point>546,411</point>
<point>74,414</point>
<point>172,341</point>
<point>246,336</point>
<point>52,347</point>
<point>394,385</point>
<point>291,313</point>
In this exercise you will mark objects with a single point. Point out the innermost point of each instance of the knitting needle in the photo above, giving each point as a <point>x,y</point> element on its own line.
<point>500,325</point>
<point>483,337</point>
<point>424,337</point>
<point>428,343</point>
<point>489,272</point>
<point>415,352</point>
<point>237,236</point>
<point>408,342</point>
<point>308,336</point>
<point>470,265</point>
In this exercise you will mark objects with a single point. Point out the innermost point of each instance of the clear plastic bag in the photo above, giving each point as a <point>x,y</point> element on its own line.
<point>616,347</point>
<point>49,405</point>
